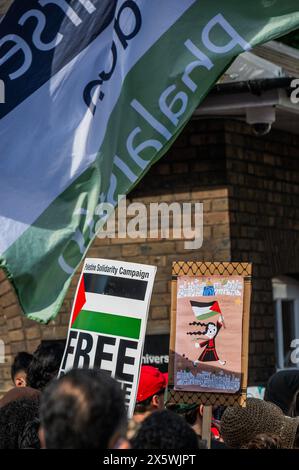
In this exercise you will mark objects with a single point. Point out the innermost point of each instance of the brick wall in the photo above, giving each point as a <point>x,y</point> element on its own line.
<point>263,183</point>
<point>250,189</point>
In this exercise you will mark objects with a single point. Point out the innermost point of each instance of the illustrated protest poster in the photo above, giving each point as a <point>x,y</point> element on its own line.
<point>108,321</point>
<point>209,334</point>
<point>208,341</point>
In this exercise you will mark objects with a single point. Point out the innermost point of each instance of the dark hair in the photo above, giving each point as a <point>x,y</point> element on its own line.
<point>44,365</point>
<point>204,325</point>
<point>293,411</point>
<point>264,441</point>
<point>191,416</point>
<point>282,390</point>
<point>82,410</point>
<point>29,438</point>
<point>145,405</point>
<point>21,362</point>
<point>165,430</point>
<point>14,418</point>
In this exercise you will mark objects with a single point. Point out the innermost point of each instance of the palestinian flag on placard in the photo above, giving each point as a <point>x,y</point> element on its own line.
<point>99,321</point>
<point>204,310</point>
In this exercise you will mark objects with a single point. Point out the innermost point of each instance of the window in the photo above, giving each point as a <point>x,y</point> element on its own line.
<point>286,298</point>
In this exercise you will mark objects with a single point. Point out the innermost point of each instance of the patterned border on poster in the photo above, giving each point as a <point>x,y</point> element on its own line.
<point>182,268</point>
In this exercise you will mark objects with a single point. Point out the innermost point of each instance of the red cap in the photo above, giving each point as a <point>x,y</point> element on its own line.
<point>151,381</point>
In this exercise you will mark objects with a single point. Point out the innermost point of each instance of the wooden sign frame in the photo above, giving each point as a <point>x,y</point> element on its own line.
<point>182,268</point>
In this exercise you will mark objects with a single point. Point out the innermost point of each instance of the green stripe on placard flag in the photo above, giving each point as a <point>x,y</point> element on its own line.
<point>107,323</point>
<point>206,315</point>
<point>204,310</point>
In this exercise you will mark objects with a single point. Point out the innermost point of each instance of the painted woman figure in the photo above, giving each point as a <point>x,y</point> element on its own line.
<point>209,354</point>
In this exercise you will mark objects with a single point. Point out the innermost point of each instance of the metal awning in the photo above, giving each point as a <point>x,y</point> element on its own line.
<point>257,86</point>
<point>248,66</point>
<point>279,54</point>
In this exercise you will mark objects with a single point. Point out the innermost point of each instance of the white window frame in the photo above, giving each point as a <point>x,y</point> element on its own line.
<point>284,288</point>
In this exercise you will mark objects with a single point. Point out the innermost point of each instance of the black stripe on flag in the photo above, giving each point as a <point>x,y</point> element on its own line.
<point>45,64</point>
<point>201,304</point>
<point>115,286</point>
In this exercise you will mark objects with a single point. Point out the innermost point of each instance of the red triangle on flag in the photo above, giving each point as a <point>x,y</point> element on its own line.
<point>215,307</point>
<point>80,300</point>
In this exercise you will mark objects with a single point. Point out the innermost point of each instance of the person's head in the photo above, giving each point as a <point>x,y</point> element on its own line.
<point>44,365</point>
<point>264,441</point>
<point>151,389</point>
<point>294,407</point>
<point>84,409</point>
<point>239,425</point>
<point>14,417</point>
<point>19,369</point>
<point>165,430</point>
<point>191,413</point>
<point>282,390</point>
<point>211,330</point>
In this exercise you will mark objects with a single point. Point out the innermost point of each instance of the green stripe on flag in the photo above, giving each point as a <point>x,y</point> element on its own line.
<point>204,316</point>
<point>108,323</point>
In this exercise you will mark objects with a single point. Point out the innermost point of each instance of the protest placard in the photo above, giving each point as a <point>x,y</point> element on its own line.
<point>209,299</point>
<point>108,321</point>
<point>209,332</point>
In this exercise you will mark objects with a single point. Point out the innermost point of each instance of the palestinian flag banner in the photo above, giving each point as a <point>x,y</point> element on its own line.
<point>204,310</point>
<point>96,92</point>
<point>108,321</point>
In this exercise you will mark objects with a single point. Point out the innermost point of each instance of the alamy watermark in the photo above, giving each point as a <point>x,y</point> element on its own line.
<point>295,93</point>
<point>155,220</point>
<point>295,353</point>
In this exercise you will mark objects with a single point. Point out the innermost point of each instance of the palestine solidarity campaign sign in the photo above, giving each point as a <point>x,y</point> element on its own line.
<point>108,321</point>
<point>96,92</point>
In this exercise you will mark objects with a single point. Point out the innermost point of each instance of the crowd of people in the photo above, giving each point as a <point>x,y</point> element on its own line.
<point>85,409</point>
